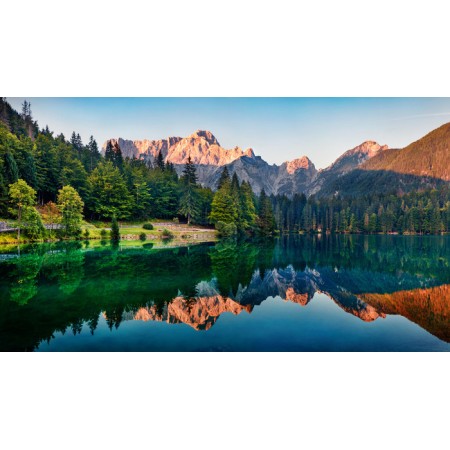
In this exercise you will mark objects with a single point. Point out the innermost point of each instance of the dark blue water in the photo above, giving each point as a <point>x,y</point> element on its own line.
<point>329,293</point>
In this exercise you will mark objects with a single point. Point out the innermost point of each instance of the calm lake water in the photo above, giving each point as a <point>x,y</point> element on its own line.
<point>302,293</point>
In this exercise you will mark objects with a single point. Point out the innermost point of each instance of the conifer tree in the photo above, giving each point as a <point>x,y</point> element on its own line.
<point>73,140</point>
<point>247,207</point>
<point>113,153</point>
<point>189,202</point>
<point>223,207</point>
<point>10,168</point>
<point>224,178</point>
<point>115,231</point>
<point>94,154</point>
<point>189,176</point>
<point>235,191</point>
<point>28,119</point>
<point>160,161</point>
<point>266,219</point>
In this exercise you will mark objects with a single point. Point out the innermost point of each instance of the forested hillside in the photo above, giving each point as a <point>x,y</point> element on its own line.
<point>422,165</point>
<point>38,165</point>
<point>427,157</point>
<point>110,185</point>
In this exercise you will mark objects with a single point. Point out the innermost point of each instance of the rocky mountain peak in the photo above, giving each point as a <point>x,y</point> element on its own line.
<point>206,135</point>
<point>300,163</point>
<point>369,148</point>
<point>357,155</point>
<point>250,153</point>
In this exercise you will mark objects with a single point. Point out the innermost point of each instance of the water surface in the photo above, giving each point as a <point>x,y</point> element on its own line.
<point>303,293</point>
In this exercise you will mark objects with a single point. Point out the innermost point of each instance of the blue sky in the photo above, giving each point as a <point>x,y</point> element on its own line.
<point>278,129</point>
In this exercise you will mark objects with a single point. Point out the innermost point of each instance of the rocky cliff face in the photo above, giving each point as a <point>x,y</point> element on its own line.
<point>202,146</point>
<point>210,158</point>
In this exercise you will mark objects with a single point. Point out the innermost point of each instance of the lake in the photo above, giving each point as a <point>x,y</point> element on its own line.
<point>293,293</point>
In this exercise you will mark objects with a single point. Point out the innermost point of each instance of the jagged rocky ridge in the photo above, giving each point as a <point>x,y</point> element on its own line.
<point>291,177</point>
<point>210,158</point>
<point>368,166</point>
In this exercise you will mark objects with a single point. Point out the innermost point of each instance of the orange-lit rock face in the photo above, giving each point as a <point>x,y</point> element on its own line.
<point>199,313</point>
<point>369,149</point>
<point>299,163</point>
<point>368,314</point>
<point>301,299</point>
<point>429,308</point>
<point>201,146</point>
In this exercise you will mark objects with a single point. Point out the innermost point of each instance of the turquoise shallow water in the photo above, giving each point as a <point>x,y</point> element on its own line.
<point>320,293</point>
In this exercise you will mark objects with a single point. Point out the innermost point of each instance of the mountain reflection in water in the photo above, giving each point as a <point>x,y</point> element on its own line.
<point>51,289</point>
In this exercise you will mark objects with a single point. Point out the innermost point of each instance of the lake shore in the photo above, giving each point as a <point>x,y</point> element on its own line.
<point>180,233</point>
<point>162,231</point>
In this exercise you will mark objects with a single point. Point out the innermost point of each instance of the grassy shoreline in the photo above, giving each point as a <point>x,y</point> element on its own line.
<point>129,231</point>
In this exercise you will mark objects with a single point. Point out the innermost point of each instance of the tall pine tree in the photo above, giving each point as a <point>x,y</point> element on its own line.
<point>113,153</point>
<point>266,219</point>
<point>224,178</point>
<point>223,207</point>
<point>189,201</point>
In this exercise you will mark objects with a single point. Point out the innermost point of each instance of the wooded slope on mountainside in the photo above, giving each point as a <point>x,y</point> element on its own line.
<point>424,164</point>
<point>427,157</point>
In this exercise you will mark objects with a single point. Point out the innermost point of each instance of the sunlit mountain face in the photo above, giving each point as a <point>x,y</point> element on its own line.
<point>294,293</point>
<point>367,168</point>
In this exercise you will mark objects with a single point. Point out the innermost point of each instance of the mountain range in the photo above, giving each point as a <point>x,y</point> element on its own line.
<point>368,167</point>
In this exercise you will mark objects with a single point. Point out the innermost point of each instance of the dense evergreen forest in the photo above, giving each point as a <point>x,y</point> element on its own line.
<point>111,186</point>
<point>426,158</point>
<point>66,180</point>
<point>421,212</point>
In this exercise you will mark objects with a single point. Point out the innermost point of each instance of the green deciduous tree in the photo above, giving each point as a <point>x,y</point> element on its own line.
<point>71,207</point>
<point>33,226</point>
<point>23,199</point>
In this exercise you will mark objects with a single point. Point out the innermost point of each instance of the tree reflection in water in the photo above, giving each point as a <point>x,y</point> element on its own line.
<point>55,287</point>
